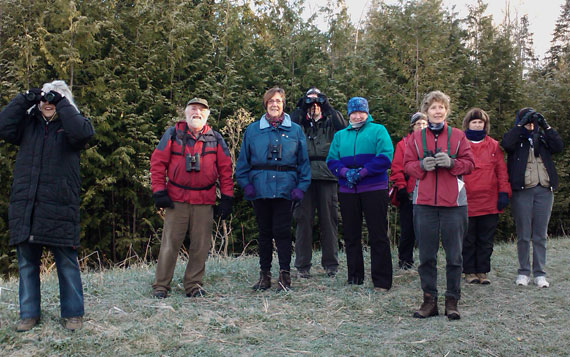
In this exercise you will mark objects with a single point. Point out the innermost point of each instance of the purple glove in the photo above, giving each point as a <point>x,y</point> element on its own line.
<point>297,194</point>
<point>249,190</point>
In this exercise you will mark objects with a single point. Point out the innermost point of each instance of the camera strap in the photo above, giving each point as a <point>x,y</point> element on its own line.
<point>425,145</point>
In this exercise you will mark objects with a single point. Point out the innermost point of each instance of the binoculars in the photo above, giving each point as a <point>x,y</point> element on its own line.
<point>431,153</point>
<point>274,152</point>
<point>43,97</point>
<point>311,100</point>
<point>192,162</point>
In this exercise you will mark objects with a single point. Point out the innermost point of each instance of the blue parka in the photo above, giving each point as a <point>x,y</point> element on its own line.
<point>368,147</point>
<point>255,159</point>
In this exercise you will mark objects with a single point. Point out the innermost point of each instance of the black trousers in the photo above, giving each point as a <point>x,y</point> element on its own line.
<point>478,243</point>
<point>374,206</point>
<point>274,222</point>
<point>407,236</point>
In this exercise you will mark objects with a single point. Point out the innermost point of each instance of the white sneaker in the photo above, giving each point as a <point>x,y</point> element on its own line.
<point>523,280</point>
<point>541,282</point>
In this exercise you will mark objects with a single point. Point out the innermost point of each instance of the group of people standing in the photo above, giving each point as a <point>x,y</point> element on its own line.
<point>450,185</point>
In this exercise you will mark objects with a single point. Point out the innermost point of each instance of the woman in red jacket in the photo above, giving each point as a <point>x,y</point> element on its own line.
<point>488,192</point>
<point>405,185</point>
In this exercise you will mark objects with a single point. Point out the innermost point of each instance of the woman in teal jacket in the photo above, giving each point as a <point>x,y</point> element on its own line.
<point>274,171</point>
<point>360,156</point>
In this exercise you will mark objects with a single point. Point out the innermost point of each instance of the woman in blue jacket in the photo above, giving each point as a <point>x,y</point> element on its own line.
<point>274,171</point>
<point>360,156</point>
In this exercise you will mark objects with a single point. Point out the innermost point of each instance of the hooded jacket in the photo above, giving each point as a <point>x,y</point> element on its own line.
<point>319,135</point>
<point>44,200</point>
<point>488,178</point>
<point>368,147</point>
<point>290,159</point>
<point>441,187</point>
<point>168,161</point>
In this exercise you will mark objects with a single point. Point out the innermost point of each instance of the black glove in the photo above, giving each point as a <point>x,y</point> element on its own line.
<point>402,195</point>
<point>162,200</point>
<point>527,118</point>
<point>225,208</point>
<point>502,201</point>
<point>53,97</point>
<point>539,118</point>
<point>33,96</point>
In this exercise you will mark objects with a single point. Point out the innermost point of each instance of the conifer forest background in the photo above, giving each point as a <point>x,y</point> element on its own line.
<point>132,66</point>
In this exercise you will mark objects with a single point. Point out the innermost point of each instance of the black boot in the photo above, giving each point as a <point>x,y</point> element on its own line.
<point>284,281</point>
<point>264,282</point>
<point>428,308</point>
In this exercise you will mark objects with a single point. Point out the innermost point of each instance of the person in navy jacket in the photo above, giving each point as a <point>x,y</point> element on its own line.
<point>274,171</point>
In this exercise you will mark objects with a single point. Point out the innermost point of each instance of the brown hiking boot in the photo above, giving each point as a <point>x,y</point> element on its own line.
<point>471,279</point>
<point>451,310</point>
<point>264,281</point>
<point>428,307</point>
<point>284,281</point>
<point>73,323</point>
<point>483,279</point>
<point>27,324</point>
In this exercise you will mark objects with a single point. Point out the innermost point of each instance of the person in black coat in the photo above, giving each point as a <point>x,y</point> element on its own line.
<point>44,202</point>
<point>533,178</point>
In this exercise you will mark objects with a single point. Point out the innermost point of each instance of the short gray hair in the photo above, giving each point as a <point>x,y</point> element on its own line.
<point>60,87</point>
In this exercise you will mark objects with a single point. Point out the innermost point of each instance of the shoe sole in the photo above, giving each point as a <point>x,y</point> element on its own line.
<point>453,316</point>
<point>420,316</point>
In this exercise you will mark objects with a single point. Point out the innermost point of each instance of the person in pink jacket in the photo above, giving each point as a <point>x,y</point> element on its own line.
<point>405,185</point>
<point>488,192</point>
<point>437,157</point>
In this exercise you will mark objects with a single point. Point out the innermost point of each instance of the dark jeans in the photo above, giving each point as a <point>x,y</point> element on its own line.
<point>70,289</point>
<point>274,222</point>
<point>429,223</point>
<point>407,236</point>
<point>478,243</point>
<point>374,206</point>
<point>322,196</point>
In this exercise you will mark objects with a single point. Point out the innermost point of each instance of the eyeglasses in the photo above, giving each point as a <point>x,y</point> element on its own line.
<point>274,101</point>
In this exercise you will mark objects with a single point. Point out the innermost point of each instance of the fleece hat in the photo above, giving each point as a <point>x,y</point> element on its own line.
<point>521,113</point>
<point>357,104</point>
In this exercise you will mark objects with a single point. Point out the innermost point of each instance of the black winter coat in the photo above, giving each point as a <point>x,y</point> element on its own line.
<point>44,199</point>
<point>517,146</point>
<point>319,136</point>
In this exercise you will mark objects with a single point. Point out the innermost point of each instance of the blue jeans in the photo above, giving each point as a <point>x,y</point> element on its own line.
<point>70,289</point>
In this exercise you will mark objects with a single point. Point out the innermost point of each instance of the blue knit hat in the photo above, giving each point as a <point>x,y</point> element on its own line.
<point>357,104</point>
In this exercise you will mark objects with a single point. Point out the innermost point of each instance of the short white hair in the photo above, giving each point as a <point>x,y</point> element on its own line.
<point>60,87</point>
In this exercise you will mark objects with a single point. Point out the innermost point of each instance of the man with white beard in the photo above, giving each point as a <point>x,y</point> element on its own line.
<point>185,166</point>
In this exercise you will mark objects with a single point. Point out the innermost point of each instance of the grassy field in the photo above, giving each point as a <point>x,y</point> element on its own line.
<point>321,316</point>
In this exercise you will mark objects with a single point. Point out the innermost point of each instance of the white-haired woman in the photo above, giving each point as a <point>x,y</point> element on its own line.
<point>44,203</point>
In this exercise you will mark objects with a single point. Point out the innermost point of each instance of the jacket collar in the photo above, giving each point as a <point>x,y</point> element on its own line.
<point>368,120</point>
<point>286,124</point>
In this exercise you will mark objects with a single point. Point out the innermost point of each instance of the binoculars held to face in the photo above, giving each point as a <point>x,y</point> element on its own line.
<point>317,100</point>
<point>192,162</point>
<point>36,96</point>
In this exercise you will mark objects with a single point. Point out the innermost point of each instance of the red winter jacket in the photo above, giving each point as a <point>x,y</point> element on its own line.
<point>441,187</point>
<point>488,178</point>
<point>194,187</point>
<point>397,175</point>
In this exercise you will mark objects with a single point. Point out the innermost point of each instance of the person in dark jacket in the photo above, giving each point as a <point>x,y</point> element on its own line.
<point>405,185</point>
<point>319,122</point>
<point>529,146</point>
<point>44,202</point>
<point>274,171</point>
<point>185,166</point>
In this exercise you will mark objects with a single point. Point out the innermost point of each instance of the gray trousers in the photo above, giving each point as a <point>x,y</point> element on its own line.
<point>322,196</point>
<point>429,223</point>
<point>531,211</point>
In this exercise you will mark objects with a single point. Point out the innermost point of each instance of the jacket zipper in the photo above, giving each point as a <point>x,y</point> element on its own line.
<point>435,191</point>
<point>354,152</point>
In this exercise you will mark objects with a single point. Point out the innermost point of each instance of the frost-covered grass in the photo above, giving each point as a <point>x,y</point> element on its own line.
<point>321,316</point>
